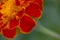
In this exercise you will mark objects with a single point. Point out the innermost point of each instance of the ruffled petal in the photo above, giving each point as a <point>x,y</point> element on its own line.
<point>17,2</point>
<point>20,13</point>
<point>27,24</point>
<point>33,10</point>
<point>2,25</point>
<point>0,7</point>
<point>13,23</point>
<point>1,3</point>
<point>1,15</point>
<point>0,30</point>
<point>9,33</point>
<point>40,3</point>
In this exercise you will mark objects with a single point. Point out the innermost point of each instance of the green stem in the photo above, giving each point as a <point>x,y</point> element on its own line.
<point>46,31</point>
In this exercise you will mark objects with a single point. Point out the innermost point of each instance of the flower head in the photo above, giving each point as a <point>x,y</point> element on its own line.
<point>19,14</point>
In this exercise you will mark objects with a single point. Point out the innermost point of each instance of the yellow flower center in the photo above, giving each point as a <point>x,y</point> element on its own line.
<point>8,8</point>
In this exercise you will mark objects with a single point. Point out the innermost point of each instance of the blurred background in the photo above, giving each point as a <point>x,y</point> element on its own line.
<point>49,21</point>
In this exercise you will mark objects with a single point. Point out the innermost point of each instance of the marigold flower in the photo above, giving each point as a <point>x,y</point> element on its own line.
<point>19,14</point>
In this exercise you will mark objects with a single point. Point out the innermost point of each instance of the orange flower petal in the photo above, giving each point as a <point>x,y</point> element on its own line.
<point>0,7</point>
<point>27,24</point>
<point>9,33</point>
<point>1,3</point>
<point>1,22</point>
<point>20,13</point>
<point>13,23</point>
<point>33,10</point>
<point>0,30</point>
<point>40,3</point>
<point>2,25</point>
<point>17,2</point>
<point>1,15</point>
